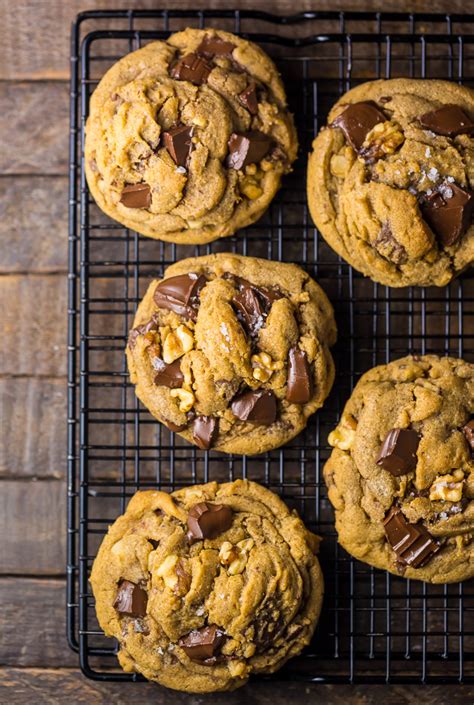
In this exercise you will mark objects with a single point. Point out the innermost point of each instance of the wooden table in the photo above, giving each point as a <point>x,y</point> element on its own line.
<point>36,665</point>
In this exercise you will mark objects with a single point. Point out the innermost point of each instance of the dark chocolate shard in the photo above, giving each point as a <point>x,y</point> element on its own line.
<point>131,599</point>
<point>170,375</point>
<point>249,98</point>
<point>398,451</point>
<point>389,247</point>
<point>247,148</point>
<point>178,142</point>
<point>205,430</point>
<point>258,407</point>
<point>357,120</point>
<point>300,380</point>
<point>203,644</point>
<point>212,45</point>
<point>248,305</point>
<point>449,212</point>
<point>208,521</point>
<point>180,294</point>
<point>412,543</point>
<point>450,120</point>
<point>192,68</point>
<point>136,196</point>
<point>468,431</point>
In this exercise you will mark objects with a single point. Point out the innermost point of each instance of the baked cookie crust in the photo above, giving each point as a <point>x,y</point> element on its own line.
<point>203,614</point>
<point>390,182</point>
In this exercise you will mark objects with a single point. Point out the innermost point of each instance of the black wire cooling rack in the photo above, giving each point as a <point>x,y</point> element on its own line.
<point>375,628</point>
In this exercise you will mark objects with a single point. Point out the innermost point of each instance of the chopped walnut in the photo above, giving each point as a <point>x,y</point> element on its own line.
<point>448,487</point>
<point>177,343</point>
<point>235,556</point>
<point>264,366</point>
<point>167,571</point>
<point>186,399</point>
<point>384,138</point>
<point>344,434</point>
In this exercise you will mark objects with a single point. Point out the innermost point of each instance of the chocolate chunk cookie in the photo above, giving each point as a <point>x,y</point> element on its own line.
<point>207,585</point>
<point>187,139</point>
<point>232,352</point>
<point>401,475</point>
<point>391,178</point>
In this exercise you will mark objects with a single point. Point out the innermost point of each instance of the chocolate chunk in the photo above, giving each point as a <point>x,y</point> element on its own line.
<point>208,521</point>
<point>205,430</point>
<point>247,148</point>
<point>468,431</point>
<point>178,143</point>
<point>300,381</point>
<point>389,247</point>
<point>180,294</point>
<point>449,216</point>
<point>184,579</point>
<point>249,99</point>
<point>175,427</point>
<point>258,407</point>
<point>202,644</point>
<point>357,120</point>
<point>450,120</point>
<point>131,599</point>
<point>192,68</point>
<point>398,451</point>
<point>136,196</point>
<point>212,45</point>
<point>170,376</point>
<point>250,309</point>
<point>268,295</point>
<point>412,543</point>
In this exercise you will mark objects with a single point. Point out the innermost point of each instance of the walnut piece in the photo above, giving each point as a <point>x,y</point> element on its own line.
<point>235,557</point>
<point>344,434</point>
<point>448,487</point>
<point>177,343</point>
<point>186,399</point>
<point>167,571</point>
<point>384,138</point>
<point>264,366</point>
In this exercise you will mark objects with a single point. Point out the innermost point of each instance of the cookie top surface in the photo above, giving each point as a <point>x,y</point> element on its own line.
<point>390,180</point>
<point>401,475</point>
<point>187,139</point>
<point>232,352</point>
<point>207,585</point>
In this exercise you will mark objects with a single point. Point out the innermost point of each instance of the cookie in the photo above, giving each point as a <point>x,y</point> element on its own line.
<point>390,180</point>
<point>187,139</point>
<point>208,585</point>
<point>401,475</point>
<point>232,352</point>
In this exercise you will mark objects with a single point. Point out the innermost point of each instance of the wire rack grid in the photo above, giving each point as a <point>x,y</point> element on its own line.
<point>375,627</point>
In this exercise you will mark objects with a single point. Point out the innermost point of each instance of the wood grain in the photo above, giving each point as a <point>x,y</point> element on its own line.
<point>33,223</point>
<point>22,55</point>
<point>34,126</point>
<point>33,423</point>
<point>32,521</point>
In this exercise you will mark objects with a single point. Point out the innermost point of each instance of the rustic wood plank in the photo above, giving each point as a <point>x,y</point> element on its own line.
<point>33,427</point>
<point>33,634</point>
<point>32,527</point>
<point>34,319</point>
<point>55,687</point>
<point>46,56</point>
<point>33,224</point>
<point>34,123</point>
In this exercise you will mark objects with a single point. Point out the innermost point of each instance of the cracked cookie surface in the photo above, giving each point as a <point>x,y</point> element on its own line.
<point>232,352</point>
<point>401,475</point>
<point>203,614</point>
<point>390,180</point>
<point>187,139</point>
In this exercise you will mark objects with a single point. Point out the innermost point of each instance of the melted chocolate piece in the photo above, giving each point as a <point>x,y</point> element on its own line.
<point>180,294</point>
<point>212,45</point>
<point>131,599</point>
<point>202,644</point>
<point>389,247</point>
<point>449,218</point>
<point>205,430</point>
<point>208,521</point>
<point>468,431</point>
<point>178,143</point>
<point>192,68</point>
<point>258,407</point>
<point>175,427</point>
<point>170,376</point>
<point>250,309</point>
<point>249,99</point>
<point>357,120</point>
<point>300,381</point>
<point>450,120</point>
<point>398,451</point>
<point>247,148</point>
<point>412,543</point>
<point>136,196</point>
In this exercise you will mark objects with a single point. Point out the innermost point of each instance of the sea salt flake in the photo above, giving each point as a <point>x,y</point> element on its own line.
<point>433,174</point>
<point>428,152</point>
<point>180,170</point>
<point>450,179</point>
<point>200,610</point>
<point>160,651</point>
<point>158,364</point>
<point>225,331</point>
